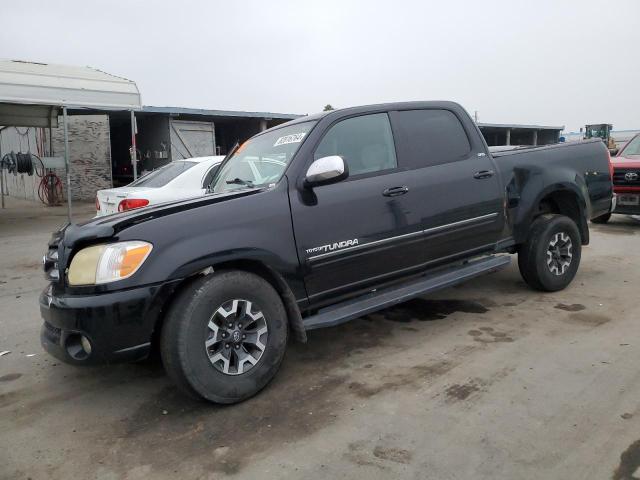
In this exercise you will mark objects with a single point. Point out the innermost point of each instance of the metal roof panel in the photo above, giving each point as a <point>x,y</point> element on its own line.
<point>34,83</point>
<point>516,126</point>
<point>217,113</point>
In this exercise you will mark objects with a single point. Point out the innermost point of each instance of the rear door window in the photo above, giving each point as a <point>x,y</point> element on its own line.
<point>365,143</point>
<point>429,137</point>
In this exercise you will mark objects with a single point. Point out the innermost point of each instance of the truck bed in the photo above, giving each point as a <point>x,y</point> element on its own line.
<point>528,148</point>
<point>581,169</point>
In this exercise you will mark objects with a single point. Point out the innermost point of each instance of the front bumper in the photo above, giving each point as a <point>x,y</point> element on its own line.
<point>118,326</point>
<point>625,209</point>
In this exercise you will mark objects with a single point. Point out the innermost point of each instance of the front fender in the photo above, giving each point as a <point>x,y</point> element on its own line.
<point>192,266</point>
<point>254,227</point>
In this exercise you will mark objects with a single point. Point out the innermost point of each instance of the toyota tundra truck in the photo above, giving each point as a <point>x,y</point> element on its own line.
<point>310,224</point>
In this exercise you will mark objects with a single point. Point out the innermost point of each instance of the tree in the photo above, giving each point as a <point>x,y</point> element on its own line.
<point>327,108</point>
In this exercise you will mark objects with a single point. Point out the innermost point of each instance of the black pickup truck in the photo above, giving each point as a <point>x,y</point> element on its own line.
<point>310,224</point>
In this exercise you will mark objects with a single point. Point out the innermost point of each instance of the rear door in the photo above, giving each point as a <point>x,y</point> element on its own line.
<point>359,231</point>
<point>456,182</point>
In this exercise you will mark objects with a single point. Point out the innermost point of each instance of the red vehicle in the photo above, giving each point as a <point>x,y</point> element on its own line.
<point>626,181</point>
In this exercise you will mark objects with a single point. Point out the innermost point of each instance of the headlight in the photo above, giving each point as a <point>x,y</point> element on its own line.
<point>107,263</point>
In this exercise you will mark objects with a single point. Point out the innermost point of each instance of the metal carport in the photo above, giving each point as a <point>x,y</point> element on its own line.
<point>32,95</point>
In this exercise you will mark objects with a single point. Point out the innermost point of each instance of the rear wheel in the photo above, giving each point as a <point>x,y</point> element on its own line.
<point>550,257</point>
<point>602,218</point>
<point>225,337</point>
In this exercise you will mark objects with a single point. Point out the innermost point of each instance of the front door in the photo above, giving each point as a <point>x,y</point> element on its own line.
<point>356,232</point>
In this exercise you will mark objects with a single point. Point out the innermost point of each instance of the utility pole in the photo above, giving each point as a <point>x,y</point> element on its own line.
<point>67,162</point>
<point>134,156</point>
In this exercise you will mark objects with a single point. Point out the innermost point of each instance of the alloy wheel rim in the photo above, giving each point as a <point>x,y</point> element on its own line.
<point>559,253</point>
<point>237,335</point>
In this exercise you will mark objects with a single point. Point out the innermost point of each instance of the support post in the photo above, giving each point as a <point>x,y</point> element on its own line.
<point>508,142</point>
<point>263,124</point>
<point>134,153</point>
<point>535,138</point>
<point>1,174</point>
<point>66,161</point>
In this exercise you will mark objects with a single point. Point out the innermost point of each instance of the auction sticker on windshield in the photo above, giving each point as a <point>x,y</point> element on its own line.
<point>294,138</point>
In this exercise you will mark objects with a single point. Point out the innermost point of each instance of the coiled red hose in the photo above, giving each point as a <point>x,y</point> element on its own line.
<point>50,189</point>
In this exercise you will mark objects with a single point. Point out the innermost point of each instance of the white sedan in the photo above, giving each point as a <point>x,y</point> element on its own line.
<point>177,180</point>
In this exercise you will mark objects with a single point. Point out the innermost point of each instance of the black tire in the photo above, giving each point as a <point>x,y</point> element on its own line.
<point>602,218</point>
<point>185,331</point>
<point>539,268</point>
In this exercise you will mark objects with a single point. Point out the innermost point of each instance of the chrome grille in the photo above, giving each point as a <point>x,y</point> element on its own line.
<point>50,265</point>
<point>51,261</point>
<point>627,177</point>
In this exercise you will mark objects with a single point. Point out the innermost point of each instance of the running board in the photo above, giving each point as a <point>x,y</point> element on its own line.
<point>376,300</point>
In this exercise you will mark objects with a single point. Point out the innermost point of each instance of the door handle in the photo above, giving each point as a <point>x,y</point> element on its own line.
<point>395,191</point>
<point>483,174</point>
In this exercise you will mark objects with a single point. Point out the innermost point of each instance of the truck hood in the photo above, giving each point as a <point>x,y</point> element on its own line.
<point>109,226</point>
<point>631,161</point>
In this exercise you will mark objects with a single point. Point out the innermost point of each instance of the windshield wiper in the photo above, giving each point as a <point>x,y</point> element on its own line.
<point>235,147</point>
<point>239,181</point>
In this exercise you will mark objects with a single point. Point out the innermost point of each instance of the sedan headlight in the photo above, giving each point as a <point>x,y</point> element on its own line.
<point>107,263</point>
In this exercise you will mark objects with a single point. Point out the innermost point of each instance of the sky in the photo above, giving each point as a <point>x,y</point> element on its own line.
<point>536,62</point>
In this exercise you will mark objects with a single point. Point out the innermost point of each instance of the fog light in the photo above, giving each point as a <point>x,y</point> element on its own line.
<point>86,344</point>
<point>78,346</point>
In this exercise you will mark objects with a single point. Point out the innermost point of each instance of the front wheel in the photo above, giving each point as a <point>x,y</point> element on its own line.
<point>550,257</point>
<point>225,336</point>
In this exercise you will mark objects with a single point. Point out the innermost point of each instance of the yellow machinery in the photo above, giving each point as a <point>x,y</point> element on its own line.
<point>603,132</point>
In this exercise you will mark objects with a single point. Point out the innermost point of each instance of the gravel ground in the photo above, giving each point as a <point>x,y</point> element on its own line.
<point>486,380</point>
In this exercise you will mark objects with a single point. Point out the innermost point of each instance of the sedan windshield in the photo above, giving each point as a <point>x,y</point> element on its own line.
<point>261,160</point>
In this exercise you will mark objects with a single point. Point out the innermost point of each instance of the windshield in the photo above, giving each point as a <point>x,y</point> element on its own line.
<point>163,175</point>
<point>633,147</point>
<point>261,160</point>
<point>597,131</point>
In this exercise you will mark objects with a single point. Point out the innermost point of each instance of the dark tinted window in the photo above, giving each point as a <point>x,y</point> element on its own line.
<point>163,175</point>
<point>365,143</point>
<point>429,137</point>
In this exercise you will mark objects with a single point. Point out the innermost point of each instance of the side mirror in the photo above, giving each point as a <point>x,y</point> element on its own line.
<point>326,170</point>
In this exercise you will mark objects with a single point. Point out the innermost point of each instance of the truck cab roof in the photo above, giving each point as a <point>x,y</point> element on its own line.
<point>375,108</point>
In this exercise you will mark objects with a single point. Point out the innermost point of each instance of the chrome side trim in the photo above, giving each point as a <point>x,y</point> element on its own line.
<point>459,223</point>
<point>135,347</point>
<point>358,247</point>
<point>428,231</point>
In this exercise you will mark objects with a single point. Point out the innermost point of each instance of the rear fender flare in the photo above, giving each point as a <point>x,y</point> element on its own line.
<point>537,189</point>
